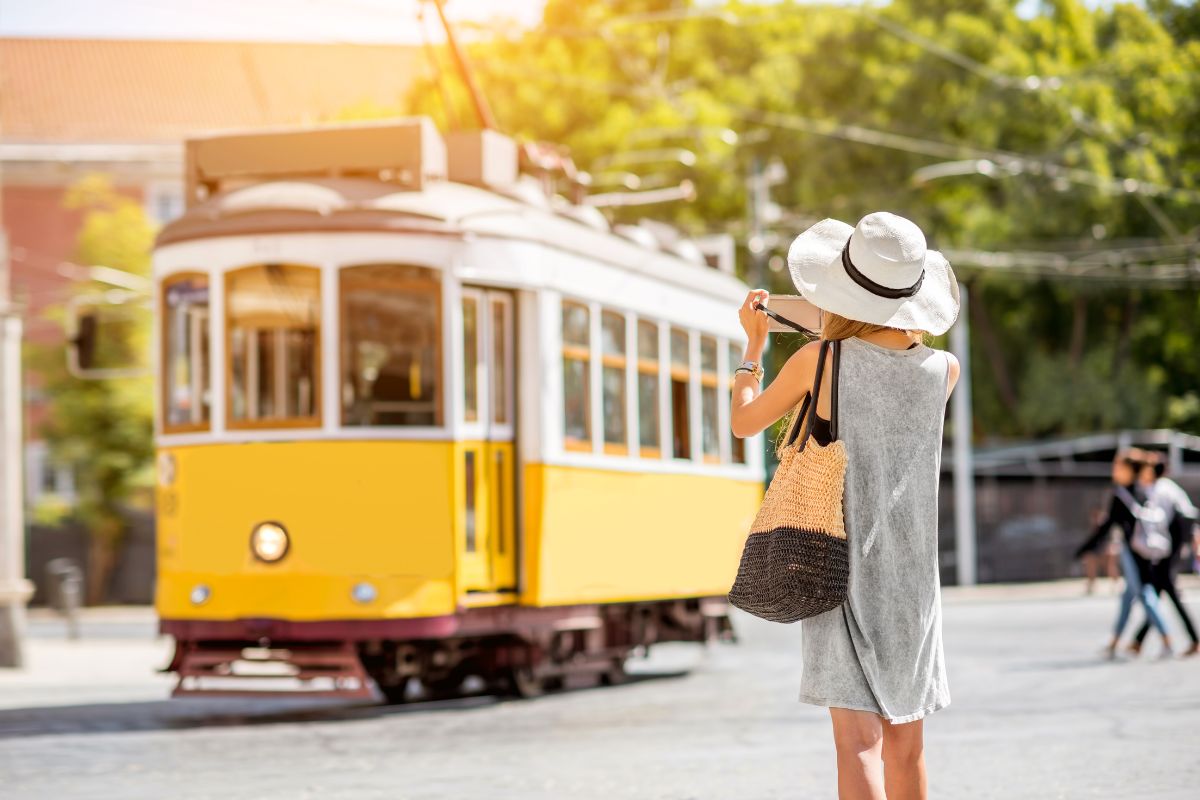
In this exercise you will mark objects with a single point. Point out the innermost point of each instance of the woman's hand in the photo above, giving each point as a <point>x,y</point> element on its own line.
<point>754,322</point>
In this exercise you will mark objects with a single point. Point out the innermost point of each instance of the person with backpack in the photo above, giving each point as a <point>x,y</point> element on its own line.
<point>1181,514</point>
<point>1143,530</point>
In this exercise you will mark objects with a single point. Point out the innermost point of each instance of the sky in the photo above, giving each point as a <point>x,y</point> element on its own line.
<point>363,21</point>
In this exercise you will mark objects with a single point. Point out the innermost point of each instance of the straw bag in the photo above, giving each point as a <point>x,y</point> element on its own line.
<point>796,562</point>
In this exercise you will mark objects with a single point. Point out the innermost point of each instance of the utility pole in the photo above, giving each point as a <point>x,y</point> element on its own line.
<point>483,112</point>
<point>14,589</point>
<point>763,213</point>
<point>964,466</point>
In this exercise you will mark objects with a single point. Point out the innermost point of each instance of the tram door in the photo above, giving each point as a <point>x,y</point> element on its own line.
<point>489,411</point>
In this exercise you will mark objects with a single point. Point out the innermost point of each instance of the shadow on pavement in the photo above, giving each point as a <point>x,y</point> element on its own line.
<point>186,713</point>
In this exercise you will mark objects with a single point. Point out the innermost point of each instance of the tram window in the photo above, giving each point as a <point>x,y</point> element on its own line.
<point>738,449</point>
<point>273,312</point>
<point>681,429</point>
<point>185,353</point>
<point>647,385</point>
<point>391,345</point>
<point>499,364</point>
<point>710,442</point>
<point>469,478</point>
<point>612,380</point>
<point>470,312</point>
<point>577,352</point>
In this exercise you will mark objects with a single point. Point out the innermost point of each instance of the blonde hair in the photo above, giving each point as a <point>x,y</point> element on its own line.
<point>835,327</point>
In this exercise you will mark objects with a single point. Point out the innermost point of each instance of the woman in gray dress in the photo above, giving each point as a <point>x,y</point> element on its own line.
<point>876,662</point>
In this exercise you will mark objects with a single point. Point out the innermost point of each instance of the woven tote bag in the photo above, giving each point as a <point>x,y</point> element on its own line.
<point>795,563</point>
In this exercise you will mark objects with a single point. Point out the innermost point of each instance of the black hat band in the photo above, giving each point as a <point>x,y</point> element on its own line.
<point>873,287</point>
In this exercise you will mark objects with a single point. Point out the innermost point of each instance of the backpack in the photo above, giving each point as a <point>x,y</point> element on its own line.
<point>1151,532</point>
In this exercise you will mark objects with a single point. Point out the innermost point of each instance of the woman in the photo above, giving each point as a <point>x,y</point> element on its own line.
<point>876,662</point>
<point>1127,500</point>
<point>1177,506</point>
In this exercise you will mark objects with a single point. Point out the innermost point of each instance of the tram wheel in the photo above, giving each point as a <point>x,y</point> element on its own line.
<point>396,694</point>
<point>616,674</point>
<point>446,688</point>
<point>522,682</point>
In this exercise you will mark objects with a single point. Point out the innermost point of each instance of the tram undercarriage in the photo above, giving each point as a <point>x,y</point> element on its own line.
<point>505,650</point>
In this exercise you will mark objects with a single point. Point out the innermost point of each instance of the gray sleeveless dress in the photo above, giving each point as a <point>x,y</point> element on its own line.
<point>881,651</point>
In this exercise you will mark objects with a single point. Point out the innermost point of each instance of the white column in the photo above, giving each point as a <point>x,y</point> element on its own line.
<point>216,349</point>
<point>453,405</point>
<point>724,368</point>
<point>666,424</point>
<point>632,419</point>
<point>596,401</point>
<point>964,468</point>
<point>330,378</point>
<point>14,589</point>
<point>694,396</point>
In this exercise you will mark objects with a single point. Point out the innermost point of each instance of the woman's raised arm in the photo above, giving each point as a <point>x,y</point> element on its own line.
<point>753,408</point>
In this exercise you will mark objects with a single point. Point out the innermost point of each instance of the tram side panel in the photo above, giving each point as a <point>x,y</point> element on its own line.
<point>606,536</point>
<point>377,513</point>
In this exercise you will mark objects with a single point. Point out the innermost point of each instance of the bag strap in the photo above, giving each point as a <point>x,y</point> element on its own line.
<point>814,396</point>
<point>833,386</point>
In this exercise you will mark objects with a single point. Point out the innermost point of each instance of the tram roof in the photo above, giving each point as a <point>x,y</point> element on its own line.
<point>439,208</point>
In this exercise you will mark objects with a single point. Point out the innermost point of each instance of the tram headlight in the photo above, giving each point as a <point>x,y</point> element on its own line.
<point>269,542</point>
<point>200,594</point>
<point>364,592</point>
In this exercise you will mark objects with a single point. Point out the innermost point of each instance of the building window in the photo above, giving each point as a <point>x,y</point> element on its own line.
<point>273,314</point>
<point>612,380</point>
<point>737,445</point>
<point>649,436</point>
<point>710,435</point>
<point>681,430</point>
<point>576,349</point>
<point>164,202</point>
<point>185,353</point>
<point>391,345</point>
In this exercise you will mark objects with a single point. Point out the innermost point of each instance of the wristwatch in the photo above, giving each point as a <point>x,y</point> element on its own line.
<point>752,368</point>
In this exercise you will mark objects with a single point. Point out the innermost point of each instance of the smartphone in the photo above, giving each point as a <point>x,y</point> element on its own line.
<point>795,309</point>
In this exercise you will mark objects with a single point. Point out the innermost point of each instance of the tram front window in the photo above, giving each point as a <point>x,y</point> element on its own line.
<point>391,345</point>
<point>273,312</point>
<point>185,352</point>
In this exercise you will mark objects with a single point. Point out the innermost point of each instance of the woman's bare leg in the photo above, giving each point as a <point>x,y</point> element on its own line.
<point>1091,565</point>
<point>904,760</point>
<point>858,736</point>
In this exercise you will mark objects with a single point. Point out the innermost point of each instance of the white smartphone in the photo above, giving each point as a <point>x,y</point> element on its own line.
<point>795,309</point>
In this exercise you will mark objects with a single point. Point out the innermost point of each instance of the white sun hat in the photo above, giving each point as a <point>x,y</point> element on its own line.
<point>879,271</point>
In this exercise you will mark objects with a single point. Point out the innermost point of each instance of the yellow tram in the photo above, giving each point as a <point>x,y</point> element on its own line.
<point>419,418</point>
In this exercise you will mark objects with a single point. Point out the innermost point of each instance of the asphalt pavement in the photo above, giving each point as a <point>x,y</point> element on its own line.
<point>1036,713</point>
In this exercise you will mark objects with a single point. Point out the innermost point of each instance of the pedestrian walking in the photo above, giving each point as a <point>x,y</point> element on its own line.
<point>1103,552</point>
<point>1140,534</point>
<point>876,661</point>
<point>1181,515</point>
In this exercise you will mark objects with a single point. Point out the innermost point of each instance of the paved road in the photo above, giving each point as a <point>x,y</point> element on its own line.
<point>1036,714</point>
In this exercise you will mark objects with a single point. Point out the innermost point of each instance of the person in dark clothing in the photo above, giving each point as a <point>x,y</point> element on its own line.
<point>1101,557</point>
<point>1134,568</point>
<point>1162,574</point>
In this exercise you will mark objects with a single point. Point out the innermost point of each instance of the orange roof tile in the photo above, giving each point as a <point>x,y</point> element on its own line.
<point>88,90</point>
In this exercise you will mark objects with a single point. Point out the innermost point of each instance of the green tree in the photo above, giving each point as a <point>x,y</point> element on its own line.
<point>1078,113</point>
<point>104,428</point>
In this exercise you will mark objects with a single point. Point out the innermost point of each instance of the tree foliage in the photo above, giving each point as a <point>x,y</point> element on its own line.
<point>1110,92</point>
<point>104,428</point>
